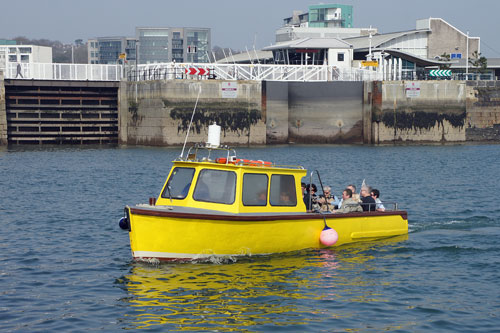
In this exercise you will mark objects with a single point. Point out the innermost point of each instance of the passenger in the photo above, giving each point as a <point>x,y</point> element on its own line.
<point>311,199</point>
<point>285,198</point>
<point>367,202</point>
<point>355,196</point>
<point>330,198</point>
<point>303,186</point>
<point>262,198</point>
<point>375,195</point>
<point>349,205</point>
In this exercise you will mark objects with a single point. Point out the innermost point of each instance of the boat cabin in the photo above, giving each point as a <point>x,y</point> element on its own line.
<point>233,185</point>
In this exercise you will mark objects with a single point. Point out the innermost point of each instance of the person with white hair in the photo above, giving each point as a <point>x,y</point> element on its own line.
<point>328,200</point>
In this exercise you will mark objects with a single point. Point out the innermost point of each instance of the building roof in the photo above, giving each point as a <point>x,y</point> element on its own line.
<point>423,62</point>
<point>363,42</point>
<point>310,43</point>
<point>249,57</point>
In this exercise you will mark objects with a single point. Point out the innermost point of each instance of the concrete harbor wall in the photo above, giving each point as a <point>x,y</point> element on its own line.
<point>159,112</point>
<point>434,112</point>
<point>3,112</point>
<point>314,112</point>
<point>483,111</point>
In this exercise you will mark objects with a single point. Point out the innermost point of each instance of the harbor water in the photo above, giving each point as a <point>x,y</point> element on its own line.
<point>66,266</point>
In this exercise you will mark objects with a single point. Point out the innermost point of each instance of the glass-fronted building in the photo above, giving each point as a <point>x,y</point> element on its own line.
<point>157,45</point>
<point>322,16</point>
<point>330,16</point>
<point>107,50</point>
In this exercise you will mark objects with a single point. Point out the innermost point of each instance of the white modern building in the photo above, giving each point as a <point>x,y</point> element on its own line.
<point>11,55</point>
<point>313,51</point>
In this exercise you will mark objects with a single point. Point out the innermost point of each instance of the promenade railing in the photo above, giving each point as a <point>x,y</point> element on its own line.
<point>252,72</point>
<point>189,71</point>
<point>55,71</point>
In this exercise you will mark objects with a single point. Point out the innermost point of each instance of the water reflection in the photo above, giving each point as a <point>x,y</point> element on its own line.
<point>250,293</point>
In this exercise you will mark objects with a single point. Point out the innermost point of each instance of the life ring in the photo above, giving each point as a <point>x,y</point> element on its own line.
<point>253,162</point>
<point>223,160</point>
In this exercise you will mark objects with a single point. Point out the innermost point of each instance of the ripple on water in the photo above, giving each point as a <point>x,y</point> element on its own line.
<point>66,266</point>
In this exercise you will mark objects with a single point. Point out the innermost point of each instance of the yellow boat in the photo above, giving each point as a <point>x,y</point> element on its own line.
<point>226,206</point>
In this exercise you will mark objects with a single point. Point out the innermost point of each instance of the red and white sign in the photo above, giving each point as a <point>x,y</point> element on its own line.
<point>229,89</point>
<point>197,71</point>
<point>412,89</point>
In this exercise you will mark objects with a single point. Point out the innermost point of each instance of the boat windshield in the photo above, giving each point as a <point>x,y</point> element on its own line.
<point>215,186</point>
<point>178,184</point>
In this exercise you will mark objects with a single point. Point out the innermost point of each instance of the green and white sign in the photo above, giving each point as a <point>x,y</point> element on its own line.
<point>440,72</point>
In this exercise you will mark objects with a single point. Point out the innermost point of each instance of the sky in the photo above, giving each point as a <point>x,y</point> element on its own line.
<point>234,23</point>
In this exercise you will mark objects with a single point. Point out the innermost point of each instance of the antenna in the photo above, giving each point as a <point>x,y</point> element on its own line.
<point>189,127</point>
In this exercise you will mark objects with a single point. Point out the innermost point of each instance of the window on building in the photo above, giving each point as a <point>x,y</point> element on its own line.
<point>25,49</point>
<point>216,186</point>
<point>12,58</point>
<point>283,191</point>
<point>25,58</point>
<point>340,56</point>
<point>178,184</point>
<point>254,189</point>
<point>12,49</point>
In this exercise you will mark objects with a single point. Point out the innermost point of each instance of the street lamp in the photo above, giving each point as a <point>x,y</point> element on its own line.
<point>467,58</point>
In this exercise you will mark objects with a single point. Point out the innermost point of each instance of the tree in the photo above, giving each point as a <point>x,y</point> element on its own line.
<point>61,53</point>
<point>445,57</point>
<point>478,62</point>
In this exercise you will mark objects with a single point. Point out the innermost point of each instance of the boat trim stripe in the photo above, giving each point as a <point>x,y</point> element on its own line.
<point>261,217</point>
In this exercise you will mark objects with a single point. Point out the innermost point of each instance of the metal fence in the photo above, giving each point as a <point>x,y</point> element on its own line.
<point>253,72</point>
<point>80,72</point>
<point>171,71</point>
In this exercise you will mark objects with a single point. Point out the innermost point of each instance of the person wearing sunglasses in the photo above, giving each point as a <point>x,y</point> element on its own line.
<point>375,194</point>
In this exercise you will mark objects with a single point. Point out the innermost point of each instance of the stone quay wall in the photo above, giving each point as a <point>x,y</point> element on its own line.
<point>158,113</point>
<point>483,111</point>
<point>442,111</point>
<point>434,113</point>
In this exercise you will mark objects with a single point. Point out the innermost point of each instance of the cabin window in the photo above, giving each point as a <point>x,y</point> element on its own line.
<point>216,186</point>
<point>254,189</point>
<point>178,184</point>
<point>283,191</point>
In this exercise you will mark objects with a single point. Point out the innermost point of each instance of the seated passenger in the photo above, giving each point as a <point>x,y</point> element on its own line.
<point>328,201</point>
<point>375,195</point>
<point>303,187</point>
<point>355,196</point>
<point>367,202</point>
<point>285,199</point>
<point>261,199</point>
<point>349,205</point>
<point>311,199</point>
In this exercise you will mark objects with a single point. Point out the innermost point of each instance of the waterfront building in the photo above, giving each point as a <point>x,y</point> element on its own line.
<point>416,50</point>
<point>11,53</point>
<point>321,21</point>
<point>322,16</point>
<point>165,44</point>
<point>313,51</point>
<point>110,50</point>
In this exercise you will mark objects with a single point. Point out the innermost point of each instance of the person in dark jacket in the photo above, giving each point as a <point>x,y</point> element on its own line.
<point>367,202</point>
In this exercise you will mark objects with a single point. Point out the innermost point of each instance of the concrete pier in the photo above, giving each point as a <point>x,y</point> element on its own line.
<point>250,113</point>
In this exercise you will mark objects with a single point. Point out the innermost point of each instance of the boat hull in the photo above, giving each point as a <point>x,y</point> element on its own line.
<point>171,235</point>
